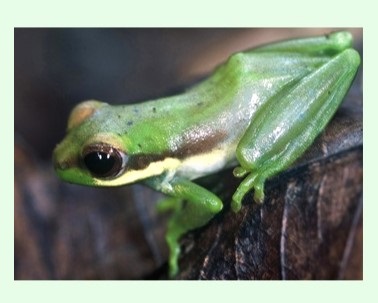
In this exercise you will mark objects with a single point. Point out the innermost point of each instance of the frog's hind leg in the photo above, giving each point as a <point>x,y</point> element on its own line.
<point>291,120</point>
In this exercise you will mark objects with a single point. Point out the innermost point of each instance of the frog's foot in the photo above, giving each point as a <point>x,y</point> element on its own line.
<point>174,253</point>
<point>252,181</point>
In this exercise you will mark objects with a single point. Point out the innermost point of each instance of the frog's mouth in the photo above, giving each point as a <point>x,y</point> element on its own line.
<point>72,174</point>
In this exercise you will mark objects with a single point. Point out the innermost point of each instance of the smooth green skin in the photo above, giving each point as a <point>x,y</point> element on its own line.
<point>260,110</point>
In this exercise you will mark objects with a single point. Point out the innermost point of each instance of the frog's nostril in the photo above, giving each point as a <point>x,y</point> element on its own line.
<point>63,165</point>
<point>60,165</point>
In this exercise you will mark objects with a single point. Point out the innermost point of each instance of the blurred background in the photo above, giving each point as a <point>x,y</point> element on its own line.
<point>65,231</point>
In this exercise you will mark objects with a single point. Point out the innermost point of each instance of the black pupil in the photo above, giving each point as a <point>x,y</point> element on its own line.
<point>99,163</point>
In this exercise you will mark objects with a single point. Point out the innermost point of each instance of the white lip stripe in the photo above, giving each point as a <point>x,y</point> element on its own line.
<point>154,169</point>
<point>191,168</point>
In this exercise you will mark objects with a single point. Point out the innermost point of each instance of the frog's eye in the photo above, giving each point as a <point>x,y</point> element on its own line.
<point>104,161</point>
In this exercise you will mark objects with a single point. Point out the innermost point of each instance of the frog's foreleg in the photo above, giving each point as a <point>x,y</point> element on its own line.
<point>200,206</point>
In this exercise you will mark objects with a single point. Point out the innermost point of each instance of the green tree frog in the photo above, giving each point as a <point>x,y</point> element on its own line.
<point>258,112</point>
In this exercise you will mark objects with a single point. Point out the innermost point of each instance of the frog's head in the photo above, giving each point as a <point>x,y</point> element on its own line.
<point>99,151</point>
<point>88,152</point>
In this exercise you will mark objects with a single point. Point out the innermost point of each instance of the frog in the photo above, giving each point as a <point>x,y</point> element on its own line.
<point>257,113</point>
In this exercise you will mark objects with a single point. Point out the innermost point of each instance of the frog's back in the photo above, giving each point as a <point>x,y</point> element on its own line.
<point>208,121</point>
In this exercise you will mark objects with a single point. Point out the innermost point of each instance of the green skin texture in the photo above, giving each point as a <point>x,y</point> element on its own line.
<point>259,111</point>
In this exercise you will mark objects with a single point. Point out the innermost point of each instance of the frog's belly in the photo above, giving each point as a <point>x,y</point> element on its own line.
<point>198,166</point>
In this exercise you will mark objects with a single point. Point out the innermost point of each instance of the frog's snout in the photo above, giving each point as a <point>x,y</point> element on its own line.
<point>59,163</point>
